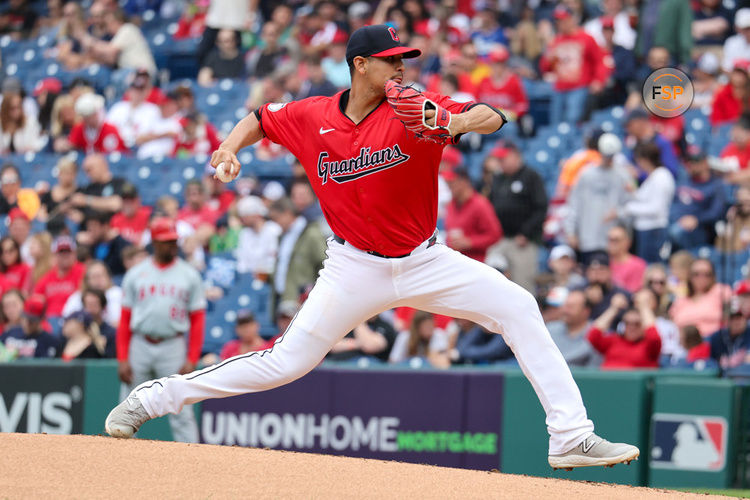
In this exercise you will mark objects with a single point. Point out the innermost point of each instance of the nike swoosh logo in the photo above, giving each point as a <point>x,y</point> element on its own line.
<point>325,130</point>
<point>587,445</point>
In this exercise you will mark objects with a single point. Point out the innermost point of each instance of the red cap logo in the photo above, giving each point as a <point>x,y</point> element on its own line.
<point>393,33</point>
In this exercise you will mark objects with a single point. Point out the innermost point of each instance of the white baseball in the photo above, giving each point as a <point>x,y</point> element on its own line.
<point>223,174</point>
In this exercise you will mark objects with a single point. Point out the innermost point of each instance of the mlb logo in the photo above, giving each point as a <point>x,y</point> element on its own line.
<point>688,442</point>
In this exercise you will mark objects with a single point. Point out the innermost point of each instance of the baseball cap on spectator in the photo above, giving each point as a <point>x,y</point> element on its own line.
<point>273,191</point>
<point>561,251</point>
<point>129,191</point>
<point>637,114</point>
<point>163,229</point>
<point>598,258</point>
<point>557,296</point>
<point>245,316</point>
<point>359,10</point>
<point>709,63</point>
<point>16,213</point>
<point>182,91</point>
<point>141,79</point>
<point>607,22</point>
<point>377,41</point>
<point>456,173</point>
<point>50,84</point>
<point>499,55</point>
<point>34,307</point>
<point>9,177</point>
<point>89,104</point>
<point>82,317</point>
<point>251,205</point>
<point>735,308</point>
<point>742,18</point>
<point>742,288</point>
<point>287,309</point>
<point>452,157</point>
<point>63,243</point>
<point>609,144</point>
<point>12,84</point>
<point>562,12</point>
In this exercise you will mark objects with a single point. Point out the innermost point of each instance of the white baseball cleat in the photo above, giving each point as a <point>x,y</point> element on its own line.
<point>594,451</point>
<point>126,418</point>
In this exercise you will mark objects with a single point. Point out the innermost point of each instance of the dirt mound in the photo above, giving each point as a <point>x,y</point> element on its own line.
<point>39,466</point>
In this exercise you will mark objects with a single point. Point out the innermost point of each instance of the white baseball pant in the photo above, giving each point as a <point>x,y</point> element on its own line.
<point>352,287</point>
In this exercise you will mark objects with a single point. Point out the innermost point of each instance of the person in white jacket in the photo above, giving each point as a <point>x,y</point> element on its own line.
<point>19,132</point>
<point>649,206</point>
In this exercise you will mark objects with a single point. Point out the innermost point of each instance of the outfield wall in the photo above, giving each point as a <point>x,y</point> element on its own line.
<point>687,425</point>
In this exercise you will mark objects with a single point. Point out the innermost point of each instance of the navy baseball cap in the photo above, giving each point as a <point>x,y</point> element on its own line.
<point>378,40</point>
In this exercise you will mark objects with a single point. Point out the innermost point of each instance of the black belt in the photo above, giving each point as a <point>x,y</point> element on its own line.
<point>430,242</point>
<point>158,340</point>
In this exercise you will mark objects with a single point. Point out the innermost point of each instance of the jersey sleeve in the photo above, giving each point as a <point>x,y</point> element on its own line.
<point>284,123</point>
<point>128,291</point>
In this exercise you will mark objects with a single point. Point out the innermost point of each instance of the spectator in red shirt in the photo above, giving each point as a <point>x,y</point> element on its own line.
<point>132,220</point>
<point>63,279</point>
<point>731,100</point>
<point>219,196</point>
<point>503,88</point>
<point>195,212</point>
<point>193,20</point>
<point>736,154</point>
<point>198,136</point>
<point>576,63</point>
<point>16,273</point>
<point>92,134</point>
<point>639,344</point>
<point>627,269</point>
<point>470,220</point>
<point>248,337</point>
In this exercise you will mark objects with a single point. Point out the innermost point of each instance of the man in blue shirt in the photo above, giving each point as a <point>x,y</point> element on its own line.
<point>699,202</point>
<point>730,345</point>
<point>30,340</point>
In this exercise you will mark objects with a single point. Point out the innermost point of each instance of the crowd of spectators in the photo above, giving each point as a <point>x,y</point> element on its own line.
<point>614,253</point>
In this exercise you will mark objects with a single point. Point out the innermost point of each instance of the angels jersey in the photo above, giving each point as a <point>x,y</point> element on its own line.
<point>377,184</point>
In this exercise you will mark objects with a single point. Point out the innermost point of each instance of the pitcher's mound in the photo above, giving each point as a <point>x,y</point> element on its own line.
<point>47,466</point>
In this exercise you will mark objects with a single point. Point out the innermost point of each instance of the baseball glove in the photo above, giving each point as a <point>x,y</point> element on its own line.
<point>410,105</point>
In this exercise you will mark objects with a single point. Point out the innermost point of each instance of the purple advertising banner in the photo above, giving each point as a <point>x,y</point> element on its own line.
<point>441,418</point>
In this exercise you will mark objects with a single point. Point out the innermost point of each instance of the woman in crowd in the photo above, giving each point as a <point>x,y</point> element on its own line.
<point>704,303</point>
<point>54,204</point>
<point>11,309</point>
<point>40,249</point>
<point>422,340</point>
<point>638,345</point>
<point>649,207</point>
<point>655,279</point>
<point>97,277</point>
<point>15,271</point>
<point>86,339</point>
<point>19,133</point>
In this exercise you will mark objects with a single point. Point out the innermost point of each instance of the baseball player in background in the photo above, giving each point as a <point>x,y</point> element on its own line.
<point>372,154</point>
<point>162,302</point>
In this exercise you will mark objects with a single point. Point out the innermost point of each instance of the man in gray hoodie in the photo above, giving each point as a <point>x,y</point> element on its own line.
<point>593,202</point>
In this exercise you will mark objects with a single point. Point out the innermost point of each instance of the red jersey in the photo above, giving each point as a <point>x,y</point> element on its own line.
<point>132,228</point>
<point>205,141</point>
<point>577,60</point>
<point>506,94</point>
<point>377,185</point>
<point>740,155</point>
<point>197,218</point>
<point>232,348</point>
<point>726,108</point>
<point>56,289</point>
<point>107,140</point>
<point>18,276</point>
